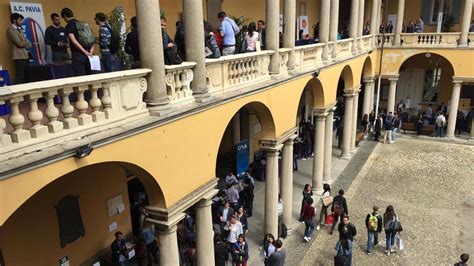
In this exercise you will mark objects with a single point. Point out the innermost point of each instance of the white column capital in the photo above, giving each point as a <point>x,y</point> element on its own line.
<point>458,82</point>
<point>369,80</point>
<point>393,80</point>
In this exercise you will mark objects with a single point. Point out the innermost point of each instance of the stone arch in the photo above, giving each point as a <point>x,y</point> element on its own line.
<point>367,68</point>
<point>432,59</point>
<point>347,74</point>
<point>317,92</point>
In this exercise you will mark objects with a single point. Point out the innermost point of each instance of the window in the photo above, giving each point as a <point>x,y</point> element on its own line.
<point>445,6</point>
<point>431,86</point>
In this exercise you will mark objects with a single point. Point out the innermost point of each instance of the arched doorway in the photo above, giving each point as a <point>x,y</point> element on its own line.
<point>76,216</point>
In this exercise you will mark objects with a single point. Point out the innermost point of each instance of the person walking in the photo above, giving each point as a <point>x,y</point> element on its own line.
<point>339,209</point>
<point>278,257</point>
<point>234,229</point>
<point>378,127</point>
<point>365,124</point>
<point>20,45</point>
<point>397,123</point>
<point>307,194</point>
<point>55,36</point>
<point>228,31</point>
<point>464,258</point>
<point>326,202</point>
<point>308,215</point>
<point>346,229</point>
<point>240,251</point>
<point>371,121</point>
<point>267,248</point>
<point>344,253</point>
<point>389,218</point>
<point>373,223</point>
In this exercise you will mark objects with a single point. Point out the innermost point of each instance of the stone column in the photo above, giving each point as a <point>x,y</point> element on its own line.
<point>453,109</point>
<point>271,192</point>
<point>391,95</point>
<point>328,137</point>
<point>354,119</point>
<point>287,181</point>
<point>236,129</point>
<point>194,43</point>
<point>168,245</point>
<point>472,130</point>
<point>368,91</point>
<point>379,17</point>
<point>360,27</point>
<point>204,233</point>
<point>318,160</point>
<point>373,17</point>
<point>346,132</point>
<point>324,28</point>
<point>150,39</point>
<point>398,30</point>
<point>289,31</point>
<point>272,41</point>
<point>354,23</point>
<point>333,26</point>
<point>466,22</point>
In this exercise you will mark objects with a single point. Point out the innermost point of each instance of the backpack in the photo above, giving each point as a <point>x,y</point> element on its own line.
<point>396,123</point>
<point>284,231</point>
<point>114,45</point>
<point>373,223</point>
<point>84,32</point>
<point>337,207</point>
<point>214,47</point>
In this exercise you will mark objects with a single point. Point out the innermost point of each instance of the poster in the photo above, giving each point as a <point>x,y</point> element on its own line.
<point>303,25</point>
<point>242,150</point>
<point>33,26</point>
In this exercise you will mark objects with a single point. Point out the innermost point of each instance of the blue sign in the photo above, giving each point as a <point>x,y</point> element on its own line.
<point>242,152</point>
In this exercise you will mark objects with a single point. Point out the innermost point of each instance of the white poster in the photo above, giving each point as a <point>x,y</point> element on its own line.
<point>33,26</point>
<point>303,25</point>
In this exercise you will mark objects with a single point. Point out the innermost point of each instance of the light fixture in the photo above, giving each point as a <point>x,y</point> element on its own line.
<point>83,151</point>
<point>427,55</point>
<point>316,73</point>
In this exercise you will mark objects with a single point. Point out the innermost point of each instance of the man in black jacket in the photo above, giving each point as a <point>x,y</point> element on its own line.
<point>339,208</point>
<point>378,127</point>
<point>221,251</point>
<point>373,223</point>
<point>118,249</point>
<point>55,36</point>
<point>346,229</point>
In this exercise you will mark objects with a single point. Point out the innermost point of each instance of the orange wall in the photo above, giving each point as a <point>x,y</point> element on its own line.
<point>31,235</point>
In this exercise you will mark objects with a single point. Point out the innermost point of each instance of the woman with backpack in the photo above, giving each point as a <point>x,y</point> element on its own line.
<point>344,253</point>
<point>326,202</point>
<point>307,194</point>
<point>391,225</point>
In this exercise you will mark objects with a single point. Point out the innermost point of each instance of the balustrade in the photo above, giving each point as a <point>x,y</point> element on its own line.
<point>284,56</point>
<point>178,82</point>
<point>64,109</point>
<point>446,39</point>
<point>344,48</point>
<point>386,39</point>
<point>308,56</point>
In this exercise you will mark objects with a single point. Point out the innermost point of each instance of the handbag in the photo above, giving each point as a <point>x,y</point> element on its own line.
<point>327,201</point>
<point>395,226</point>
<point>329,219</point>
<point>172,57</point>
<point>340,260</point>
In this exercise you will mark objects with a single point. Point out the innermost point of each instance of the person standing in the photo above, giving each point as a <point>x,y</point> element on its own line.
<point>248,196</point>
<point>242,218</point>
<point>308,215</point>
<point>371,121</point>
<point>387,138</point>
<point>346,229</point>
<point>420,25</point>
<point>389,28</point>
<point>221,251</point>
<point>20,44</point>
<point>339,209</point>
<point>278,257</point>
<point>464,258</point>
<point>251,37</point>
<point>267,248</point>
<point>261,33</point>
<point>228,31</point>
<point>240,251</point>
<point>419,124</point>
<point>55,36</point>
<point>79,54</point>
<point>131,43</point>
<point>118,249</point>
<point>378,127</point>
<point>106,42</point>
<point>225,213</point>
<point>234,229</point>
<point>440,124</point>
<point>141,251</point>
<point>344,253</point>
<point>388,218</point>
<point>179,39</point>
<point>373,223</point>
<point>148,233</point>
<point>396,125</point>
<point>307,194</point>
<point>326,197</point>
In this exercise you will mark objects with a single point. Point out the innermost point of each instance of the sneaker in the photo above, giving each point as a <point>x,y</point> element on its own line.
<point>368,252</point>
<point>330,232</point>
<point>304,159</point>
<point>306,239</point>
<point>393,250</point>
<point>323,224</point>
<point>388,252</point>
<point>317,228</point>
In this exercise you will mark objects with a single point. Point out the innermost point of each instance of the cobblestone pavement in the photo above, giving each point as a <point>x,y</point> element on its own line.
<point>431,186</point>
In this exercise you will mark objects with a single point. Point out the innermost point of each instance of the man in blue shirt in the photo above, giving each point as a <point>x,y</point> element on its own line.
<point>105,39</point>
<point>228,31</point>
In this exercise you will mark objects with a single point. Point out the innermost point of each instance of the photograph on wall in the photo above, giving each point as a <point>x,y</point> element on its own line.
<point>303,25</point>
<point>34,28</point>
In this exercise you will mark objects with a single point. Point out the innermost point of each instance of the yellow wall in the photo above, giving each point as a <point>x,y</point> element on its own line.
<point>31,236</point>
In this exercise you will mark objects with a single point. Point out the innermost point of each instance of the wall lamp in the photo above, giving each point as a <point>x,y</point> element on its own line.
<point>83,151</point>
<point>316,73</point>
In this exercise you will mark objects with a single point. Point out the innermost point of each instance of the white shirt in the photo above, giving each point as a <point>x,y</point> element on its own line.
<point>234,231</point>
<point>251,41</point>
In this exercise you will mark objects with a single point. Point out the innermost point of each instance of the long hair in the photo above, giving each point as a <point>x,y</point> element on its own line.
<point>306,187</point>
<point>327,188</point>
<point>251,29</point>
<point>389,213</point>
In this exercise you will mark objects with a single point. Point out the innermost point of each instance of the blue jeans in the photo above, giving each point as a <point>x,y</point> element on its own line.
<point>389,238</point>
<point>394,134</point>
<point>372,240</point>
<point>440,132</point>
<point>308,231</point>
<point>109,62</point>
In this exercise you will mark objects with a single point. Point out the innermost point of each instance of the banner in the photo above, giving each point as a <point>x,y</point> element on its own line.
<point>242,150</point>
<point>303,25</point>
<point>33,26</point>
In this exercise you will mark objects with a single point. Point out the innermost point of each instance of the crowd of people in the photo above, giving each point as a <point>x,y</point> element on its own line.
<point>412,27</point>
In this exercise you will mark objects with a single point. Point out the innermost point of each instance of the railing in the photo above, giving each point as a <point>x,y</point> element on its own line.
<point>308,56</point>
<point>234,71</point>
<point>284,55</point>
<point>344,48</point>
<point>446,39</point>
<point>50,112</point>
<point>178,82</point>
<point>386,39</point>
<point>366,42</point>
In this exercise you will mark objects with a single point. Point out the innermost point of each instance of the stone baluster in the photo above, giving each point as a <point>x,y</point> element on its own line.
<point>107,100</point>
<point>17,120</point>
<point>81,105</point>
<point>35,116</point>
<point>52,112</point>
<point>5,139</point>
<point>96,103</point>
<point>67,109</point>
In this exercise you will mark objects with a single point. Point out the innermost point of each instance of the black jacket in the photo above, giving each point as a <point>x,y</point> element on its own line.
<point>378,124</point>
<point>343,203</point>
<point>221,253</point>
<point>347,234</point>
<point>118,248</point>
<point>379,222</point>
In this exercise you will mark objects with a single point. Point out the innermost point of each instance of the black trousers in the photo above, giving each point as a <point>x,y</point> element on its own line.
<point>80,64</point>
<point>20,65</point>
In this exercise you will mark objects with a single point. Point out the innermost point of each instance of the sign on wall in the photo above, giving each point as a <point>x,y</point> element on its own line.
<point>242,150</point>
<point>33,26</point>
